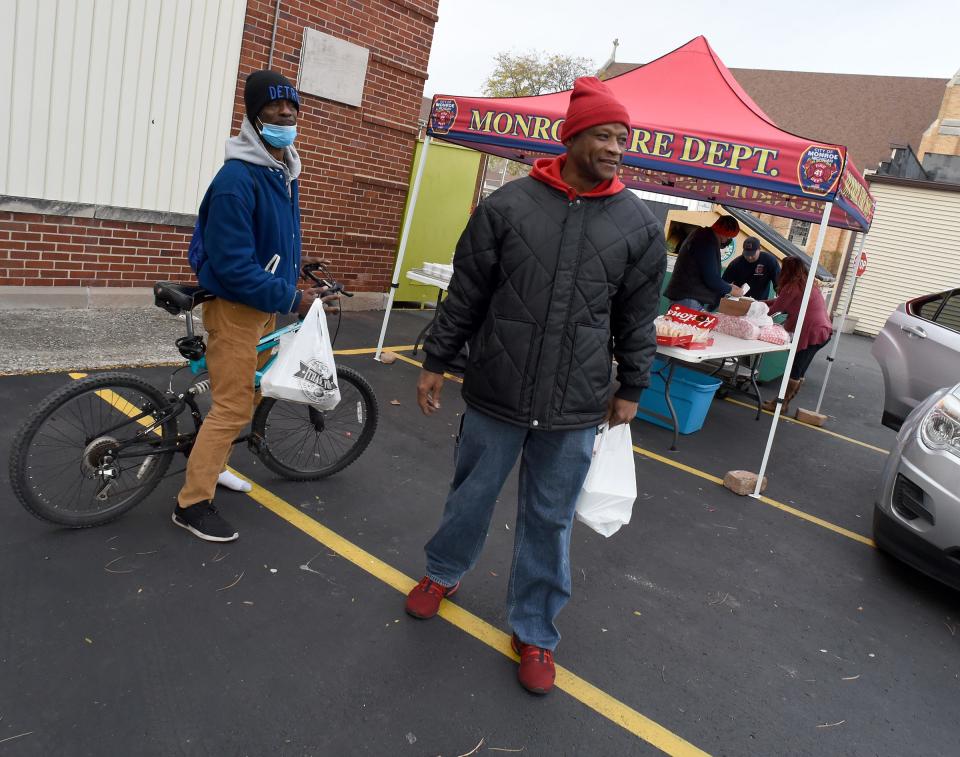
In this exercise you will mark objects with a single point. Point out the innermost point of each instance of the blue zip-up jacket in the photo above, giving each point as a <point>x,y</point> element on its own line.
<point>250,213</point>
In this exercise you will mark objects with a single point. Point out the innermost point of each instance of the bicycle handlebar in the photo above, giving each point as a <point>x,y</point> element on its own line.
<point>325,280</point>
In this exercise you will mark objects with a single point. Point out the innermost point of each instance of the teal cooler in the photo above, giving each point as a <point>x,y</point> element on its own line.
<point>690,391</point>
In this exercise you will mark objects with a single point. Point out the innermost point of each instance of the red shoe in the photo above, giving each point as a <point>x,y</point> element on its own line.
<point>537,672</point>
<point>423,601</point>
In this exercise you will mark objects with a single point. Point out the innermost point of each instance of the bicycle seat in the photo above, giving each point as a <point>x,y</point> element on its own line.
<point>177,298</point>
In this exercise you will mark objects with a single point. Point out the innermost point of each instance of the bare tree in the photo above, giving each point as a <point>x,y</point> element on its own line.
<point>534,73</point>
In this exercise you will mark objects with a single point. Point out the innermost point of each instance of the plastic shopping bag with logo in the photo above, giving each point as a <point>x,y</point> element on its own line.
<point>606,499</point>
<point>303,370</point>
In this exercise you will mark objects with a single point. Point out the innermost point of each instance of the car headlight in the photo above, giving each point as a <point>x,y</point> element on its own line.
<point>941,426</point>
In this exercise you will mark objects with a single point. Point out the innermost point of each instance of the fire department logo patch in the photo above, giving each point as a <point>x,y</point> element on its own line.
<point>819,169</point>
<point>316,380</point>
<point>443,115</point>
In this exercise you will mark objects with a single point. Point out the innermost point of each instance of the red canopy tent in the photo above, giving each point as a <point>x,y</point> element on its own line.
<point>695,133</point>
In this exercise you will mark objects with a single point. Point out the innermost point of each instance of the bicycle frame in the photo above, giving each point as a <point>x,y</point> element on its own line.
<point>267,342</point>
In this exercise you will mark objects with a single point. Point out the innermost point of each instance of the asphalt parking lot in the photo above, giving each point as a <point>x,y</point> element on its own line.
<point>711,624</point>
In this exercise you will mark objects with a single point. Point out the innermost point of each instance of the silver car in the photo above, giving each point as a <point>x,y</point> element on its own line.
<point>919,351</point>
<point>917,515</point>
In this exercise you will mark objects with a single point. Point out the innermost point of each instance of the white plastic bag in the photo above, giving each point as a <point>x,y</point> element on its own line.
<point>303,370</point>
<point>758,315</point>
<point>606,499</point>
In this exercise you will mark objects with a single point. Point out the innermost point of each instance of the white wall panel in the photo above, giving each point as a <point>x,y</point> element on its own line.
<point>116,102</point>
<point>8,10</point>
<point>911,250</point>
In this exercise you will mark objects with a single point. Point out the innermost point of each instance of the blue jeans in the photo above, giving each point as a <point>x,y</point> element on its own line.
<point>689,302</point>
<point>553,465</point>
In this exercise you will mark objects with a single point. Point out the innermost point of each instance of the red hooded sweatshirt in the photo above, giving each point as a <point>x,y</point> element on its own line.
<point>548,170</point>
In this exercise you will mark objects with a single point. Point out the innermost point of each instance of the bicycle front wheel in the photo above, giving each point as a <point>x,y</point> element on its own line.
<point>90,450</point>
<point>302,443</point>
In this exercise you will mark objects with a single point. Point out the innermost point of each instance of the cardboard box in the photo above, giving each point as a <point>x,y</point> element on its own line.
<point>739,306</point>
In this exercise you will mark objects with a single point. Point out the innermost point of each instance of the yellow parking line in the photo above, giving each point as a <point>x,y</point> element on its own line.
<point>411,361</point>
<point>678,466</point>
<point>766,500</point>
<point>578,688</point>
<point>583,691</point>
<point>812,428</point>
<point>719,481</point>
<point>372,350</point>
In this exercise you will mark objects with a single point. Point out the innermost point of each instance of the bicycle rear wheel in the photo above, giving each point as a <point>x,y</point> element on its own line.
<point>87,454</point>
<point>302,443</point>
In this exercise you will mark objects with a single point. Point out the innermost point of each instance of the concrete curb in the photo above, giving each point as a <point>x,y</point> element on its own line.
<point>79,298</point>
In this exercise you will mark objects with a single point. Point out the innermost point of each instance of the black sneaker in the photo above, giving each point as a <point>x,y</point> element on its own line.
<point>203,520</point>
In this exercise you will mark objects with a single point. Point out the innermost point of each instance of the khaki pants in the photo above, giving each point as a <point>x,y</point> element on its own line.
<point>233,331</point>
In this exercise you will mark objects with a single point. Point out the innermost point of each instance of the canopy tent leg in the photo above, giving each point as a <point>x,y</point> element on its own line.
<point>407,223</point>
<point>811,275</point>
<point>843,317</point>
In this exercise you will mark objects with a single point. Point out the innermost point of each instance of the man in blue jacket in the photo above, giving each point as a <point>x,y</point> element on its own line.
<point>250,221</point>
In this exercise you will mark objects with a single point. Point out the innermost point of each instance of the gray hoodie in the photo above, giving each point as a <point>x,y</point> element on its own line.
<point>248,146</point>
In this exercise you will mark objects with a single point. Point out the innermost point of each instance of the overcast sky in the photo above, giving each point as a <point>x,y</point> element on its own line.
<point>882,37</point>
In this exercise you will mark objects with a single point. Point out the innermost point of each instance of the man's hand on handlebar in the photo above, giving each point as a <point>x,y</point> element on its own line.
<point>331,302</point>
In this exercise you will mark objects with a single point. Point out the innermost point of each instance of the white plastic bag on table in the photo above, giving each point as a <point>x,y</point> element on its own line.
<point>606,499</point>
<point>303,370</point>
<point>759,315</point>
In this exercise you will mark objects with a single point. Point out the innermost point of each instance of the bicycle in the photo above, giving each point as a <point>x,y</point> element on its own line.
<point>93,450</point>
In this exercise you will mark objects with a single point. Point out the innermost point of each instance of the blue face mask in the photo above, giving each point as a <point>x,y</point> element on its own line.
<point>278,136</point>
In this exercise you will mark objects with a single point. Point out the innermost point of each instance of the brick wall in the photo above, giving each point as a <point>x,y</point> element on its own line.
<point>356,161</point>
<point>45,250</point>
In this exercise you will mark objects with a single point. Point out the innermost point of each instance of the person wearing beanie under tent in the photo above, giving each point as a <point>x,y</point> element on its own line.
<point>249,214</point>
<point>551,271</point>
<point>696,282</point>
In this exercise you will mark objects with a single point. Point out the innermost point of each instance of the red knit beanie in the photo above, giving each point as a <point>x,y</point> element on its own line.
<point>726,226</point>
<point>591,104</point>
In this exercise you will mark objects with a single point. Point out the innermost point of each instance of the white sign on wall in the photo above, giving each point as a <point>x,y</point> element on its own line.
<point>332,68</point>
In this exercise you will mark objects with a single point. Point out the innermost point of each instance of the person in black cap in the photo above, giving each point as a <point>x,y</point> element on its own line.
<point>756,267</point>
<point>246,251</point>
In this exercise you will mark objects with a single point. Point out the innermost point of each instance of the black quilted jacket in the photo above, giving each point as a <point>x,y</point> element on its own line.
<point>548,290</point>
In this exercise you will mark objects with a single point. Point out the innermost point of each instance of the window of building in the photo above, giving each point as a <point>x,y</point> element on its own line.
<point>799,233</point>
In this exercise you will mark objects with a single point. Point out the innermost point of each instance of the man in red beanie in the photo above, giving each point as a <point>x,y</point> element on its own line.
<point>696,282</point>
<point>555,274</point>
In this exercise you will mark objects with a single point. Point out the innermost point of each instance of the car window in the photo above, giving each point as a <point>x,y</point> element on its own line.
<point>927,309</point>
<point>943,309</point>
<point>949,315</point>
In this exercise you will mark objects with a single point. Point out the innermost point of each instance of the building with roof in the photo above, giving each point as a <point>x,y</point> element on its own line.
<point>913,243</point>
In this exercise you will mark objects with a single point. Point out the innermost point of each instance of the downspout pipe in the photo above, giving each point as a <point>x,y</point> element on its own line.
<point>273,34</point>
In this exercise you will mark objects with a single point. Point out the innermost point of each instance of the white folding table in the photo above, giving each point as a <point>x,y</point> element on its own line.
<point>724,348</point>
<point>421,276</point>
